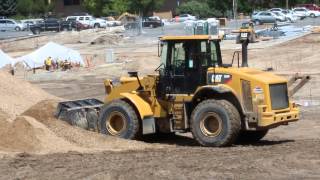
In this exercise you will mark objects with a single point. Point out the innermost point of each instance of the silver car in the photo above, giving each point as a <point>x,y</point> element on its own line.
<point>264,17</point>
<point>10,24</point>
<point>185,17</point>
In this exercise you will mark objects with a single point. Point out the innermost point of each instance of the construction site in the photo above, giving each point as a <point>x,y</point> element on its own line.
<point>36,144</point>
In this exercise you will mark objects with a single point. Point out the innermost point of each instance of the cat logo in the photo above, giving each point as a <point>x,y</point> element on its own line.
<point>219,78</point>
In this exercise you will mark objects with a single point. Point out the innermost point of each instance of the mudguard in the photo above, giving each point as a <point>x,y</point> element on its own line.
<point>141,105</point>
<point>219,89</point>
<point>145,112</point>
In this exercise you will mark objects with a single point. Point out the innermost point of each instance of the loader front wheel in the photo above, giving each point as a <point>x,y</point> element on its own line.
<point>119,119</point>
<point>215,123</point>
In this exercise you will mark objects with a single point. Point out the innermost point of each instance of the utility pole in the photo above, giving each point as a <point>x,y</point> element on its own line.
<point>234,7</point>
<point>287,4</point>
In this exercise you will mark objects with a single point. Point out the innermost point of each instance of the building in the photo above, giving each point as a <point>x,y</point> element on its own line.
<point>67,7</point>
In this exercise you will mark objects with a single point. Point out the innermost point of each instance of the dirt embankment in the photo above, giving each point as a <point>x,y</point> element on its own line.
<point>29,125</point>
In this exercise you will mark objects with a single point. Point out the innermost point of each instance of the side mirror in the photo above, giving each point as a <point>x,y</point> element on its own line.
<point>133,74</point>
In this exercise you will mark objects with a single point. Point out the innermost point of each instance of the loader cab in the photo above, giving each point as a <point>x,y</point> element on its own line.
<point>185,61</point>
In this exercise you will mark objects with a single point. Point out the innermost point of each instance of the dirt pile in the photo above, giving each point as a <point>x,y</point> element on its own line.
<point>18,95</point>
<point>26,134</point>
<point>27,124</point>
<point>106,39</point>
<point>90,141</point>
<point>18,135</point>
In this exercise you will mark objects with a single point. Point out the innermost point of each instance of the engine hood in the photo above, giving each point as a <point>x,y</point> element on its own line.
<point>250,73</point>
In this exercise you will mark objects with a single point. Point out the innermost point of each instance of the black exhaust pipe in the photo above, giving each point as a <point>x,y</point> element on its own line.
<point>245,53</point>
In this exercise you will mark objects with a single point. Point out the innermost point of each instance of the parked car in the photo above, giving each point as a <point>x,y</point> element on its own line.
<point>264,17</point>
<point>185,17</point>
<point>3,17</point>
<point>53,24</point>
<point>90,21</point>
<point>301,12</point>
<point>10,24</point>
<point>50,24</point>
<point>290,15</point>
<point>72,25</point>
<point>152,22</point>
<point>72,21</point>
<point>312,7</point>
<point>280,16</point>
<point>29,22</point>
<point>306,12</point>
<point>276,10</point>
<point>111,22</point>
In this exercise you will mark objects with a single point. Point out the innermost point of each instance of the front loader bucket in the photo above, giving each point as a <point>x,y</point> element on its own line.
<point>83,113</point>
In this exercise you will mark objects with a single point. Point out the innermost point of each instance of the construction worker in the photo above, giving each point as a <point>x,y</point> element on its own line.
<point>48,63</point>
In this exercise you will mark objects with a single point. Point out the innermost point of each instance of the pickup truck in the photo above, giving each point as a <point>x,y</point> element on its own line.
<point>89,21</point>
<point>52,24</point>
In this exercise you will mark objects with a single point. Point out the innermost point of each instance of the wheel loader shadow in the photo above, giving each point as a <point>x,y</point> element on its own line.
<point>179,140</point>
<point>265,142</point>
<point>170,139</point>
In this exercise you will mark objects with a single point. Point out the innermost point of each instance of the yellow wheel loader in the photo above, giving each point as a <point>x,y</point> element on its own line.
<point>246,29</point>
<point>193,91</point>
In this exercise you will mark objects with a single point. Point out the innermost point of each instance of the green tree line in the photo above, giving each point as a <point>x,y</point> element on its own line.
<point>24,7</point>
<point>116,7</point>
<point>200,8</point>
<point>218,8</point>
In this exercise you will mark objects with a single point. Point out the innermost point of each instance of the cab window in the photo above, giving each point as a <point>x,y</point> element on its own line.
<point>178,59</point>
<point>213,54</point>
<point>164,53</point>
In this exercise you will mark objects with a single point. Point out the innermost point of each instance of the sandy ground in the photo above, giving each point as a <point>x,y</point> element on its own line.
<point>287,152</point>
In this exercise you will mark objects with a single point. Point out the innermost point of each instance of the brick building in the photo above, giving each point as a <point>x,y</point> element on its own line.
<point>67,7</point>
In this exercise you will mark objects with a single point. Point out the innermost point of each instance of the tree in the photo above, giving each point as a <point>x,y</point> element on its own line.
<point>25,7</point>
<point>97,7</point>
<point>33,7</point>
<point>106,7</point>
<point>222,7</point>
<point>39,7</point>
<point>117,7</point>
<point>8,7</point>
<point>143,7</point>
<point>200,9</point>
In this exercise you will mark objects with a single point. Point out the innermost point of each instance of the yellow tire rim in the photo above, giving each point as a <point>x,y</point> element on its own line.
<point>211,125</point>
<point>116,123</point>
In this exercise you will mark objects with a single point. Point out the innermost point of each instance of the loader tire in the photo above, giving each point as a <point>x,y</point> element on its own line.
<point>215,123</point>
<point>251,136</point>
<point>119,118</point>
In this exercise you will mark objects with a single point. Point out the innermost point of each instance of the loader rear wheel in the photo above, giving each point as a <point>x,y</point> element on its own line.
<point>215,123</point>
<point>251,136</point>
<point>119,119</point>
